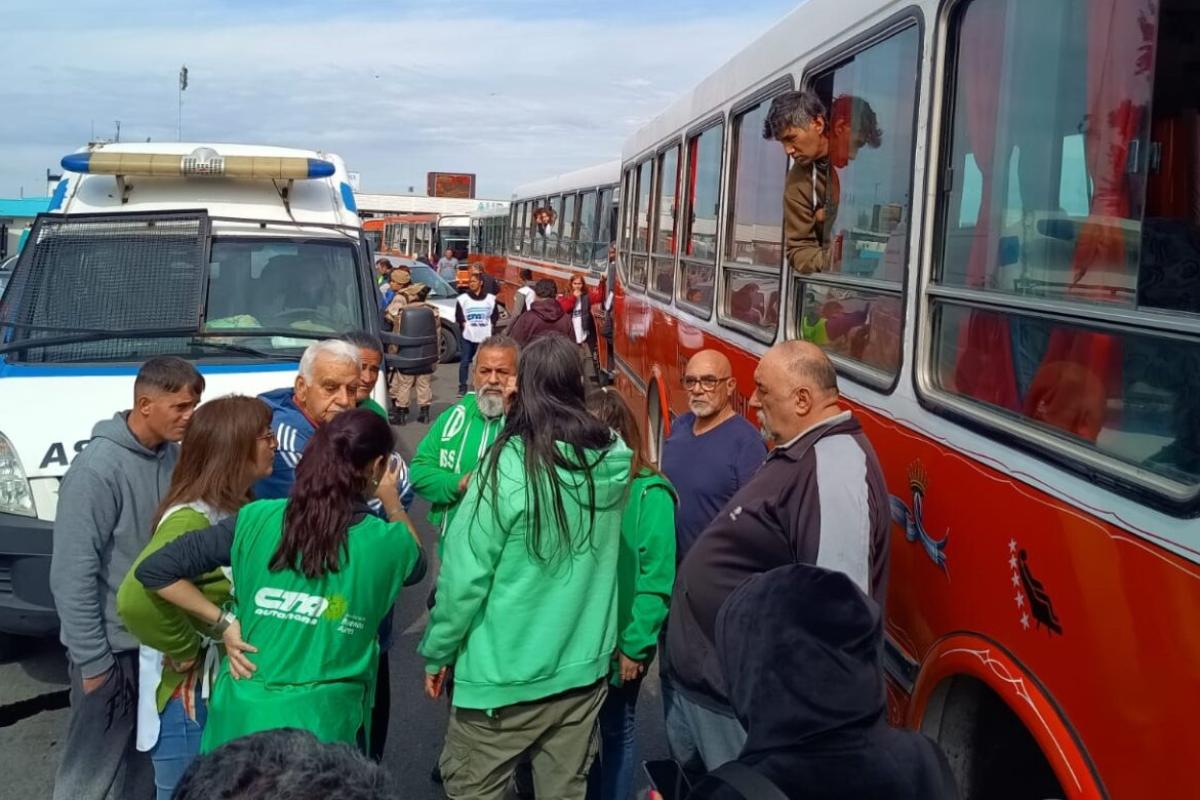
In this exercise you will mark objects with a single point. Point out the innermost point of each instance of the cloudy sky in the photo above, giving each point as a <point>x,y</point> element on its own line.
<point>513,91</point>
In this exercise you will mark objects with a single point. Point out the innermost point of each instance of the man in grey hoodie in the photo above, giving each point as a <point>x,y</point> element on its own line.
<point>106,506</point>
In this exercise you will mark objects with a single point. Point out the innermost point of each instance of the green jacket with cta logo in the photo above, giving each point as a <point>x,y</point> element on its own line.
<point>317,638</point>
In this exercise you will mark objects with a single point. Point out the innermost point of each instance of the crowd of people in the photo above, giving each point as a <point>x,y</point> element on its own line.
<point>226,573</point>
<point>230,569</point>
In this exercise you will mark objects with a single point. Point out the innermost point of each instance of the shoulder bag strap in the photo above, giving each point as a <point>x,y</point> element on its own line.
<point>746,782</point>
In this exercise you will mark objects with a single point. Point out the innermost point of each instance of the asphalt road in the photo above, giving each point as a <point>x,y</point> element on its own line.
<point>33,684</point>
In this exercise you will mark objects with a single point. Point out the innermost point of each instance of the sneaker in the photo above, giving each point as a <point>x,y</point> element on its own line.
<point>402,416</point>
<point>462,391</point>
<point>423,414</point>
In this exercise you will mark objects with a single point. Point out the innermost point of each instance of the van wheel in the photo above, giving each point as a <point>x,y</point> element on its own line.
<point>449,344</point>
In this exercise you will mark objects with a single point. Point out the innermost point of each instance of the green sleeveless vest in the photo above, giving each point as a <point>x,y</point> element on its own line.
<point>316,637</point>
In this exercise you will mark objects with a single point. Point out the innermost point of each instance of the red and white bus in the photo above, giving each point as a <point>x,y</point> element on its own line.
<point>556,227</point>
<point>406,235</point>
<point>1013,305</point>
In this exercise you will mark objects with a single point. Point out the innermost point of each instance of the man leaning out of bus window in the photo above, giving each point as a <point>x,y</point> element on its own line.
<point>819,143</point>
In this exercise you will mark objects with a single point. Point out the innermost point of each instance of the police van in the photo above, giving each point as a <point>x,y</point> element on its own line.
<point>235,257</point>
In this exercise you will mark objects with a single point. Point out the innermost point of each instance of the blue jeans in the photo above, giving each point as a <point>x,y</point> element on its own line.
<point>178,743</point>
<point>465,356</point>
<point>699,738</point>
<point>612,776</point>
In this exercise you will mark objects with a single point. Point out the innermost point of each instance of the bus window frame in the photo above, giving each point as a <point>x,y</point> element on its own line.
<point>566,241</point>
<point>817,68</point>
<point>1019,433</point>
<point>578,248</point>
<point>784,83</point>
<point>645,157</point>
<point>660,152</point>
<point>718,119</point>
<point>603,212</point>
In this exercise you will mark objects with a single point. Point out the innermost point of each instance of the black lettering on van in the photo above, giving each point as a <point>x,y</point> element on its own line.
<point>57,454</point>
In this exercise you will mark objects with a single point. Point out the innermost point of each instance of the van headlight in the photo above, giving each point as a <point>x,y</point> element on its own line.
<point>15,495</point>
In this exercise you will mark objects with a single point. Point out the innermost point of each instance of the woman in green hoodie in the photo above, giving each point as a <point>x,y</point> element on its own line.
<point>228,446</point>
<point>526,609</point>
<point>645,578</point>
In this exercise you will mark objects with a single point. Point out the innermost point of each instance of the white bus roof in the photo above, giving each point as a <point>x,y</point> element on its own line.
<point>791,42</point>
<point>587,178</point>
<point>385,204</point>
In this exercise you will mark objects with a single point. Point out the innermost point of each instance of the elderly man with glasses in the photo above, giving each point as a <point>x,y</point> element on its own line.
<point>712,450</point>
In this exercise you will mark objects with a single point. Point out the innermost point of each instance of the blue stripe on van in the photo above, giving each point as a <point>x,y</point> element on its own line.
<point>89,370</point>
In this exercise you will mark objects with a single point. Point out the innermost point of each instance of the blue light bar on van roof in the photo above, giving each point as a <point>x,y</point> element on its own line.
<point>201,162</point>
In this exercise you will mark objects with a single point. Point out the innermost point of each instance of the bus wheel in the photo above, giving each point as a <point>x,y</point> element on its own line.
<point>449,344</point>
<point>990,752</point>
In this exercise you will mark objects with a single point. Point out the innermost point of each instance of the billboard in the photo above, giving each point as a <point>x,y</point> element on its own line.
<point>450,184</point>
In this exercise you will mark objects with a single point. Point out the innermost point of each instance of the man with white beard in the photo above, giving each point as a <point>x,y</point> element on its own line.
<point>445,459</point>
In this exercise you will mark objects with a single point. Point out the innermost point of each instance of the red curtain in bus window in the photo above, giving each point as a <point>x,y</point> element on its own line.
<point>1082,369</point>
<point>984,368</point>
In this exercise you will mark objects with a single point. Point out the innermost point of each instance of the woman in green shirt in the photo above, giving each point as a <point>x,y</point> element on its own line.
<point>645,578</point>
<point>315,575</point>
<point>227,447</point>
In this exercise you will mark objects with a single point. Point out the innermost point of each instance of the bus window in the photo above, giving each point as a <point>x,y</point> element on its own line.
<point>606,229</point>
<point>641,235</point>
<point>752,298</point>
<point>853,308</point>
<point>554,228</point>
<point>1070,242</point>
<point>628,193</point>
<point>662,279</point>
<point>586,241</point>
<point>541,225</point>
<point>566,242</point>
<point>702,197</point>
<point>754,253</point>
<point>755,233</point>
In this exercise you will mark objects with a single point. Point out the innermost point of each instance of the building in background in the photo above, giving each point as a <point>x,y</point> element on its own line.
<point>15,218</point>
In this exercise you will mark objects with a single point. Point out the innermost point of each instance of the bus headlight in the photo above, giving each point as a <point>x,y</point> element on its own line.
<point>15,495</point>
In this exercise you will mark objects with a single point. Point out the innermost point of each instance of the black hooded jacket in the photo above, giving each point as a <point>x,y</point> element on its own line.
<point>800,650</point>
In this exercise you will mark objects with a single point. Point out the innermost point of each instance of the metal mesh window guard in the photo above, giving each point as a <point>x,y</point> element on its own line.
<point>107,274</point>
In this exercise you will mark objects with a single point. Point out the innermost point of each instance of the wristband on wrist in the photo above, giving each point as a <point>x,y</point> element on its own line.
<point>227,618</point>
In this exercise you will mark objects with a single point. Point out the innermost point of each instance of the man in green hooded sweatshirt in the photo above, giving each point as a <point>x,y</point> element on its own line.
<point>448,455</point>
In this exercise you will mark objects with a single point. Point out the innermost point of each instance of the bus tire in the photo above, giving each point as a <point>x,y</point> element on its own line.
<point>989,750</point>
<point>450,346</point>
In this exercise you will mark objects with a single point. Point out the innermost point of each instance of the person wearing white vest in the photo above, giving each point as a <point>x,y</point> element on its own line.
<point>228,446</point>
<point>477,313</point>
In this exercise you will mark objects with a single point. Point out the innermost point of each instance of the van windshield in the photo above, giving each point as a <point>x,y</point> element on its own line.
<point>306,286</point>
<point>293,290</point>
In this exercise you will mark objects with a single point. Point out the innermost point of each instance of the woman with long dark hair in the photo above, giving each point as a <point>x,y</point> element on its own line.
<point>645,578</point>
<point>526,608</point>
<point>315,574</point>
<point>228,446</point>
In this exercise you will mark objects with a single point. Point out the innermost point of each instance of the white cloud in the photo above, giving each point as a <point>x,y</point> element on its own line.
<point>396,95</point>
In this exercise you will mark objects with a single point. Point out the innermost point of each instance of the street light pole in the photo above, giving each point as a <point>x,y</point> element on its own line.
<point>183,84</point>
